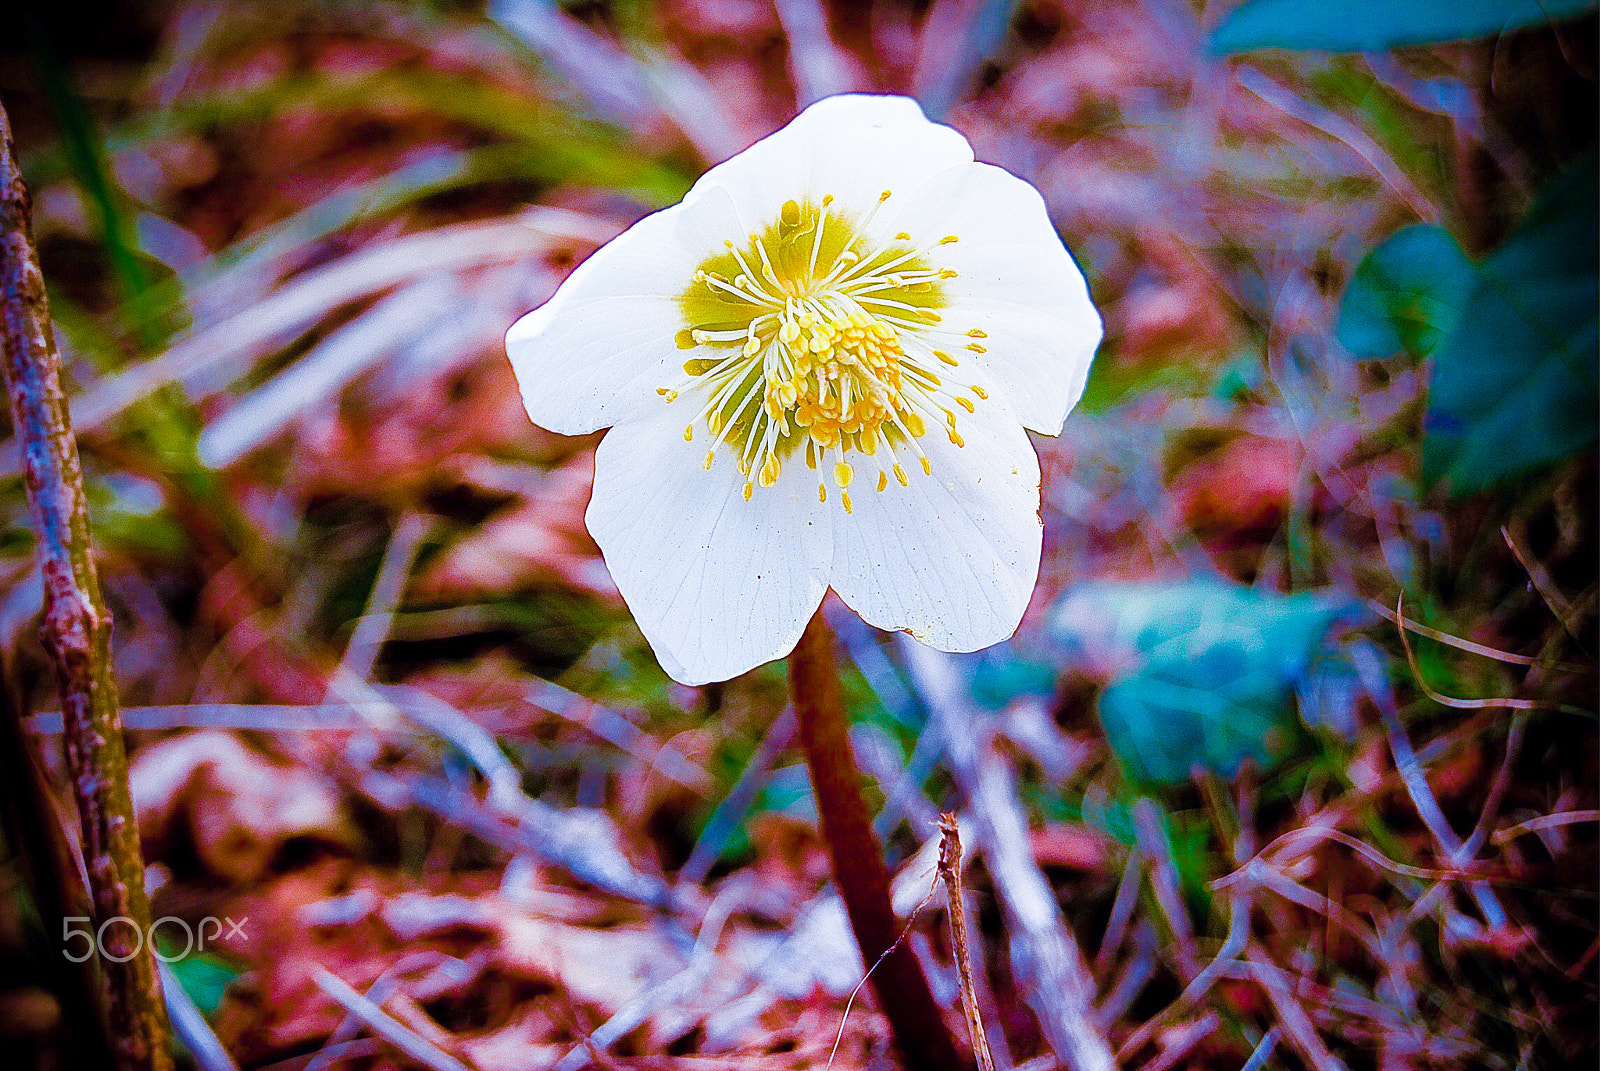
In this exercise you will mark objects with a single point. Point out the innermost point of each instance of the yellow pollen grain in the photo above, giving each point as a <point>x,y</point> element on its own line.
<point>688,434</point>
<point>946,358</point>
<point>914,423</point>
<point>927,467</point>
<point>903,236</point>
<point>822,493</point>
<point>948,273</point>
<point>979,391</point>
<point>843,474</point>
<point>668,393</point>
<point>900,474</point>
<point>948,239</point>
<point>769,472</point>
<point>710,456</point>
<point>976,348</point>
<point>846,500</point>
<point>885,195</point>
<point>966,403</point>
<point>977,332</point>
<point>883,479</point>
<point>955,437</point>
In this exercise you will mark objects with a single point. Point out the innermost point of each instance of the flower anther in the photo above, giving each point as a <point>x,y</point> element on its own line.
<point>850,297</point>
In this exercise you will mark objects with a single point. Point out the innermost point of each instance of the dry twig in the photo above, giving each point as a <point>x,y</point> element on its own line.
<point>77,635</point>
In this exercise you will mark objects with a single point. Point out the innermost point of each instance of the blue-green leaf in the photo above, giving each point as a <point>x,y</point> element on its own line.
<point>1377,25</point>
<point>205,978</point>
<point>1204,674</point>
<point>1406,294</point>
<point>1514,384</point>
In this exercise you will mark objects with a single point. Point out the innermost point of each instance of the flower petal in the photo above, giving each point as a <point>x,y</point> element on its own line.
<point>952,557</point>
<point>1016,282</point>
<point>596,352</point>
<point>717,585</point>
<point>852,146</point>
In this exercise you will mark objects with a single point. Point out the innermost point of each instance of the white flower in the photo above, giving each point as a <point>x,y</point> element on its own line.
<point>817,369</point>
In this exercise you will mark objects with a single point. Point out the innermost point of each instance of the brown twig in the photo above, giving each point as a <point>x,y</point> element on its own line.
<point>950,874</point>
<point>858,865</point>
<point>77,636</point>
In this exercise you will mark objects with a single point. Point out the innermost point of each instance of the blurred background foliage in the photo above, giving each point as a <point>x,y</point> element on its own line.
<point>1346,254</point>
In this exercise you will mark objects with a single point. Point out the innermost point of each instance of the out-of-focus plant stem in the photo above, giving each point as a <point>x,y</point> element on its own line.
<point>858,865</point>
<point>77,636</point>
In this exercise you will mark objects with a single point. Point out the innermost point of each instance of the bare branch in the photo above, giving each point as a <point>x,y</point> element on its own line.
<point>77,636</point>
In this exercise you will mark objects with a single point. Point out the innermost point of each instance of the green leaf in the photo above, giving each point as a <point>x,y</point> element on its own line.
<point>1406,294</point>
<point>1204,674</point>
<point>1377,25</point>
<point>1514,384</point>
<point>205,978</point>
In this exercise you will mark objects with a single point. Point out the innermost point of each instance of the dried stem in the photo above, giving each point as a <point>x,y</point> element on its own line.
<point>77,636</point>
<point>858,864</point>
<point>950,874</point>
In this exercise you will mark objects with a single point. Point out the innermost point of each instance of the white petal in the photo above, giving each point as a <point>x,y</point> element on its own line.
<point>717,585</point>
<point>852,146</point>
<point>951,558</point>
<point>596,352</point>
<point>1015,281</point>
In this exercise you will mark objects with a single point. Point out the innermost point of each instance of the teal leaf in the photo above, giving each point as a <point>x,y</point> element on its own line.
<point>1378,25</point>
<point>205,978</point>
<point>1203,674</point>
<point>1514,385</point>
<point>1406,294</point>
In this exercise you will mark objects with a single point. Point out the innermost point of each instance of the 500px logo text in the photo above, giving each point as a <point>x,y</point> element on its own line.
<point>94,940</point>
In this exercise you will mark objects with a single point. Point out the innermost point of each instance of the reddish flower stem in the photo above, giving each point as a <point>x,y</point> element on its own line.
<point>858,866</point>
<point>77,637</point>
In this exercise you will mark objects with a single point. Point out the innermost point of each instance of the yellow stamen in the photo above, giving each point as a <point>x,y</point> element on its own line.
<point>814,335</point>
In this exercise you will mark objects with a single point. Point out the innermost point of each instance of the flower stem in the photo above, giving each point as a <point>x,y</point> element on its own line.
<point>77,636</point>
<point>858,865</point>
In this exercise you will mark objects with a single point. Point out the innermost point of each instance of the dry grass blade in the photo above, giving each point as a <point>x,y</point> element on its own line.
<point>387,1026</point>
<point>316,293</point>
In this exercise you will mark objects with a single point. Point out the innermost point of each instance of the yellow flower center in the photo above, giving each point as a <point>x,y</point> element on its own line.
<point>818,338</point>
